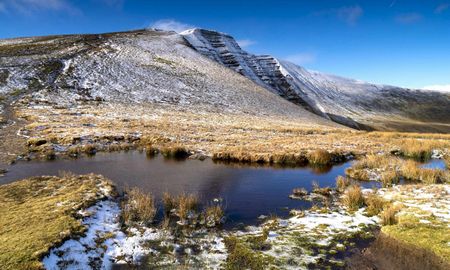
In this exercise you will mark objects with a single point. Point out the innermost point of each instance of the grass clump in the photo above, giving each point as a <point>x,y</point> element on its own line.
<point>176,152</point>
<point>342,183</point>
<point>389,178</point>
<point>151,151</point>
<point>375,204</point>
<point>90,149</point>
<point>411,171</point>
<point>324,191</point>
<point>40,212</point>
<point>170,203</point>
<point>353,198</point>
<point>389,215</point>
<point>299,192</point>
<point>138,207</point>
<point>214,215</point>
<point>419,150</point>
<point>187,206</point>
<point>320,157</point>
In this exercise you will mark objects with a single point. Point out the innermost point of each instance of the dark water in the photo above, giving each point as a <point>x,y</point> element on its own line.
<point>247,191</point>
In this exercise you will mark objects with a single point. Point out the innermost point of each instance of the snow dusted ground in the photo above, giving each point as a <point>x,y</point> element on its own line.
<point>294,240</point>
<point>134,68</point>
<point>431,201</point>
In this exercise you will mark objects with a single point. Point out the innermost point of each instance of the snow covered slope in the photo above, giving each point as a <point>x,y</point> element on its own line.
<point>134,67</point>
<point>353,103</point>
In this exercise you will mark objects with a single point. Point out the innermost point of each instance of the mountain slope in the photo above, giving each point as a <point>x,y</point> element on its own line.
<point>353,103</point>
<point>135,67</point>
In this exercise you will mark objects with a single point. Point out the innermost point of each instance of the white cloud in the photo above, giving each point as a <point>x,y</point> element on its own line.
<point>408,18</point>
<point>244,43</point>
<point>441,8</point>
<point>349,14</point>
<point>301,58</point>
<point>171,25</point>
<point>437,87</point>
<point>32,6</point>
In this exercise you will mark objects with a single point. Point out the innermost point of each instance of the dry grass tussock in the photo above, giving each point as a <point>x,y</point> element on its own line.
<point>353,198</point>
<point>40,212</point>
<point>389,215</point>
<point>391,169</point>
<point>187,209</point>
<point>226,135</point>
<point>342,183</point>
<point>138,207</point>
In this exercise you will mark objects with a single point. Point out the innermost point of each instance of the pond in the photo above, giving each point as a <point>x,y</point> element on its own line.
<point>247,191</point>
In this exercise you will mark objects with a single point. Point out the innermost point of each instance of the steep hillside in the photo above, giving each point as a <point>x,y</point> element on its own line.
<point>132,67</point>
<point>353,103</point>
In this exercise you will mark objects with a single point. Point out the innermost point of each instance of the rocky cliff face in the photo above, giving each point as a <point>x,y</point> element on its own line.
<point>351,102</point>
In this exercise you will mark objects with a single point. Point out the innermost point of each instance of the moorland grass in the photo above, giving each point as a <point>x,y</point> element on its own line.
<point>40,212</point>
<point>433,236</point>
<point>353,198</point>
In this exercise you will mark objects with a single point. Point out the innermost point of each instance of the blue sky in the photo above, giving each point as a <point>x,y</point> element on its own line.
<point>398,42</point>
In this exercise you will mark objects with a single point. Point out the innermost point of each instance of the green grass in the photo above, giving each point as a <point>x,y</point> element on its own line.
<point>433,236</point>
<point>40,212</point>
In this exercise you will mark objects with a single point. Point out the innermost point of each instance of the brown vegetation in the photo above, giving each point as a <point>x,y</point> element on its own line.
<point>353,198</point>
<point>138,207</point>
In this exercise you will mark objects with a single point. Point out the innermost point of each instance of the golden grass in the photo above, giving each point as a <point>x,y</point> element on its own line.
<point>187,204</point>
<point>391,169</point>
<point>353,198</point>
<point>170,203</point>
<point>138,207</point>
<point>342,183</point>
<point>224,135</point>
<point>320,157</point>
<point>375,204</point>
<point>40,212</point>
<point>389,178</point>
<point>389,215</point>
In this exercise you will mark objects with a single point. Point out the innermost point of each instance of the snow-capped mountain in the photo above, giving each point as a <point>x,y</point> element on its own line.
<point>142,66</point>
<point>351,102</point>
<point>202,69</point>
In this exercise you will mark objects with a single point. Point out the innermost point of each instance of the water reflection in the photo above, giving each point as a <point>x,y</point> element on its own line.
<point>248,191</point>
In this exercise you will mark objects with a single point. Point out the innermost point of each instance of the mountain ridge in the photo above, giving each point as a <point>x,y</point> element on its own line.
<point>351,102</point>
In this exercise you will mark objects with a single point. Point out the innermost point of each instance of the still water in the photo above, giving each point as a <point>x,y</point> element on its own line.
<point>247,191</point>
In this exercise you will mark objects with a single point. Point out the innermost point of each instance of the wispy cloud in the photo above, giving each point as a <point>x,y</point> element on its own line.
<point>438,87</point>
<point>408,18</point>
<point>441,8</point>
<point>29,7</point>
<point>301,58</point>
<point>349,14</point>
<point>244,43</point>
<point>393,3</point>
<point>171,25</point>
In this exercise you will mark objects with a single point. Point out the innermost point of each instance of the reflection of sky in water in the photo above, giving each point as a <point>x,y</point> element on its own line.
<point>247,191</point>
<point>435,164</point>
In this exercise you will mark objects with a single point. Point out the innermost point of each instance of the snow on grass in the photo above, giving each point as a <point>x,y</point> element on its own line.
<point>89,250</point>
